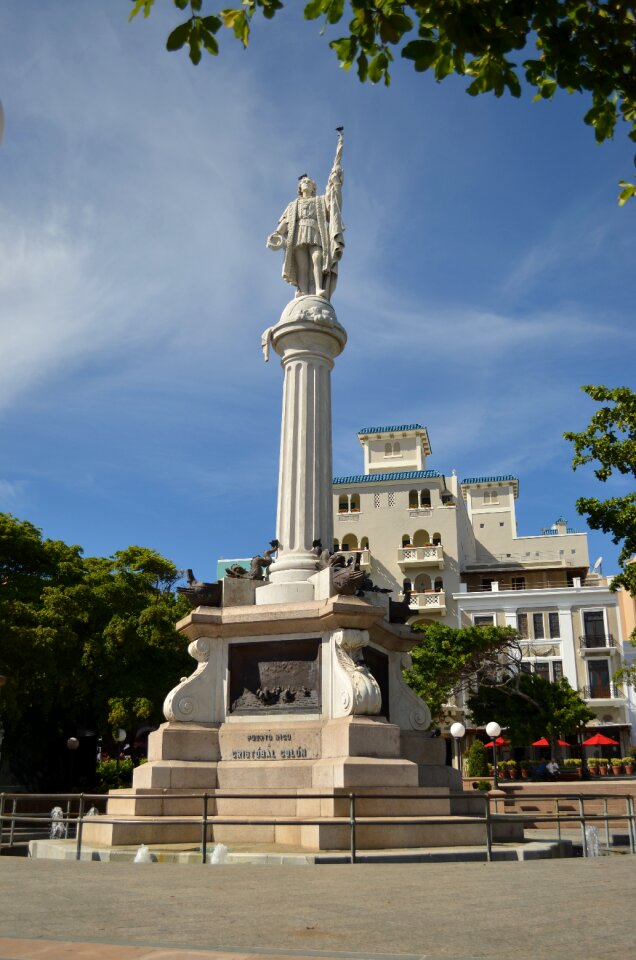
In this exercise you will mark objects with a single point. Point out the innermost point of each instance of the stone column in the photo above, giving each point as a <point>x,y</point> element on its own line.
<point>308,338</point>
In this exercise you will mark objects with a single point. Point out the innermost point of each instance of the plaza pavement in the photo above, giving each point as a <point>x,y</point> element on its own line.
<point>60,910</point>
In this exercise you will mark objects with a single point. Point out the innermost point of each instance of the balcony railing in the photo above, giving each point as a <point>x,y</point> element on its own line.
<point>597,643</point>
<point>429,556</point>
<point>603,691</point>
<point>431,602</point>
<point>551,584</point>
<point>365,557</point>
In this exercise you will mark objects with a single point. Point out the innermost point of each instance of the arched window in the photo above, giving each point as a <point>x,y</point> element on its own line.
<point>336,545</point>
<point>343,503</point>
<point>437,539</point>
<point>352,542</point>
<point>406,540</point>
<point>421,538</point>
<point>438,586</point>
<point>413,500</point>
<point>396,448</point>
<point>407,586</point>
<point>425,499</point>
<point>355,503</point>
<point>364,543</point>
<point>388,449</point>
<point>422,583</point>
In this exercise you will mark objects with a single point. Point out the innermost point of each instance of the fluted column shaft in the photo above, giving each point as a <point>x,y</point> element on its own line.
<point>307,338</point>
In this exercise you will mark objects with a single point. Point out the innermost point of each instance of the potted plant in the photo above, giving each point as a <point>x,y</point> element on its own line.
<point>502,769</point>
<point>592,766</point>
<point>524,766</point>
<point>573,765</point>
<point>617,766</point>
<point>628,765</point>
<point>602,766</point>
<point>512,769</point>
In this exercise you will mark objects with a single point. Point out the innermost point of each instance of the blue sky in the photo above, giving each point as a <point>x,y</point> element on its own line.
<point>488,274</point>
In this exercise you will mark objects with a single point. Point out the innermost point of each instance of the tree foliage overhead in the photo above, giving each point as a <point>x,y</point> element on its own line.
<point>85,644</point>
<point>610,442</point>
<point>582,46</point>
<point>447,658</point>
<point>530,707</point>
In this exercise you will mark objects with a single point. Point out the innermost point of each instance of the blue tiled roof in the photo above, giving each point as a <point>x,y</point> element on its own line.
<point>501,479</point>
<point>381,477</point>
<point>396,429</point>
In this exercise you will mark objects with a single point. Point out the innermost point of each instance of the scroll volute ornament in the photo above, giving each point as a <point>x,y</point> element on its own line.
<point>355,689</point>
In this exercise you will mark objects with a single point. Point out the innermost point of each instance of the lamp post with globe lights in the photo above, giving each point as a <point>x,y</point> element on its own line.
<point>119,736</point>
<point>494,730</point>
<point>457,731</point>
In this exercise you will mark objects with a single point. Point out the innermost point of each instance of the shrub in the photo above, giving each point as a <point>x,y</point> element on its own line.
<point>110,776</point>
<point>477,760</point>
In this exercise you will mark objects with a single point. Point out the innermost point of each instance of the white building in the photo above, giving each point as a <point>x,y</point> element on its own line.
<point>455,545</point>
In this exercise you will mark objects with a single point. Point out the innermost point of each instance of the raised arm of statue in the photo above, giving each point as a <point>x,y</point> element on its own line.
<point>333,197</point>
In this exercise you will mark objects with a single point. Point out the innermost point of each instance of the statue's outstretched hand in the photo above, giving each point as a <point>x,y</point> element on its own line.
<point>275,241</point>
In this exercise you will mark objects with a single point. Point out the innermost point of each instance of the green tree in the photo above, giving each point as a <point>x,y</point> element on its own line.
<point>445,658</point>
<point>477,760</point>
<point>569,45</point>
<point>530,707</point>
<point>85,644</point>
<point>610,442</point>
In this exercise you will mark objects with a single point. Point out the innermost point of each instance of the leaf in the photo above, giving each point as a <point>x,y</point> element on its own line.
<point>179,36</point>
<point>628,191</point>
<point>145,5</point>
<point>363,66</point>
<point>181,4</point>
<point>194,40</point>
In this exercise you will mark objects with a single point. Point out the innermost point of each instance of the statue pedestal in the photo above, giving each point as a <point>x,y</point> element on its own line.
<point>303,698</point>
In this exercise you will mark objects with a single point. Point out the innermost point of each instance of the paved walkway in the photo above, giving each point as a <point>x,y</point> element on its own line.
<point>574,909</point>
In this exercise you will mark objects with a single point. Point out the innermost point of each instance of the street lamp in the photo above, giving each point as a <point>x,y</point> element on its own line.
<point>119,736</point>
<point>72,744</point>
<point>457,731</point>
<point>494,730</point>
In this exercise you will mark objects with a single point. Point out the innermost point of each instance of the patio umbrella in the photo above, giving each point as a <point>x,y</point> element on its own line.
<point>499,742</point>
<point>545,743</point>
<point>600,740</point>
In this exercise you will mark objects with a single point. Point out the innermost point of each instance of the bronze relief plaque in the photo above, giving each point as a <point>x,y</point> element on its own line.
<point>281,676</point>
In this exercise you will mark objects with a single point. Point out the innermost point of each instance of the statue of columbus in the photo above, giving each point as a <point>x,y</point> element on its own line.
<point>311,233</point>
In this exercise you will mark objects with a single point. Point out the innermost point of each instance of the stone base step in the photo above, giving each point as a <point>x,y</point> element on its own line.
<point>270,854</point>
<point>328,833</point>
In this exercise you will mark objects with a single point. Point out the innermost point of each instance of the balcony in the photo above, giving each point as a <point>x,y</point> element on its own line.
<point>349,515</point>
<point>599,644</point>
<point>431,602</point>
<point>606,692</point>
<point>430,556</point>
<point>365,557</point>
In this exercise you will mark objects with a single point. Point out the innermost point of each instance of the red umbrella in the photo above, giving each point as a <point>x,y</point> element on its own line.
<point>499,742</point>
<point>600,740</point>
<point>545,743</point>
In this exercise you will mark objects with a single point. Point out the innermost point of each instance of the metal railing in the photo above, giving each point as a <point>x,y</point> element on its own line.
<point>603,691</point>
<point>598,642</point>
<point>490,817</point>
